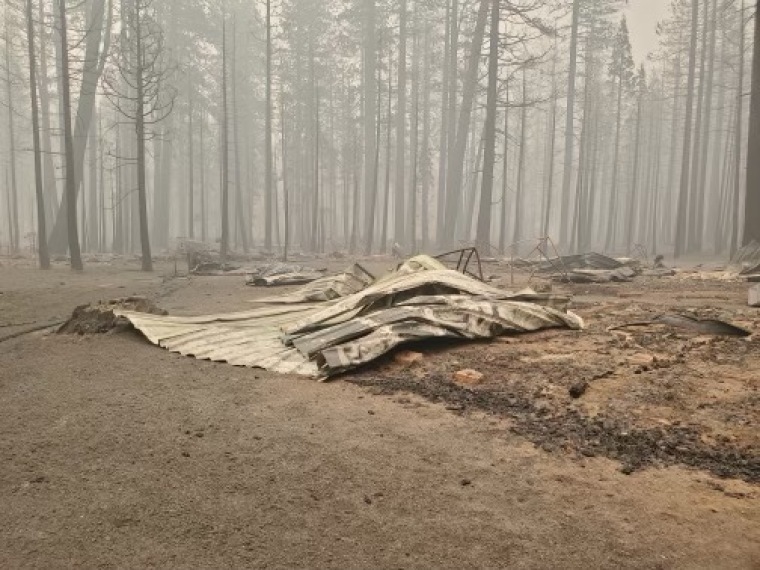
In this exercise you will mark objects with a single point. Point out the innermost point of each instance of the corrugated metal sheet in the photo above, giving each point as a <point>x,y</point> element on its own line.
<point>249,338</point>
<point>327,288</point>
<point>418,301</point>
<point>398,288</point>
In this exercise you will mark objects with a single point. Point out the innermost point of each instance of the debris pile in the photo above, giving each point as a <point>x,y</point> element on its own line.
<point>327,288</point>
<point>420,300</point>
<point>273,274</point>
<point>581,261</point>
<point>207,263</point>
<point>589,268</point>
<point>100,318</point>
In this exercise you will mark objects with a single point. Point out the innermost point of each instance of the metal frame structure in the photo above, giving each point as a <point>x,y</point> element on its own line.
<point>463,262</point>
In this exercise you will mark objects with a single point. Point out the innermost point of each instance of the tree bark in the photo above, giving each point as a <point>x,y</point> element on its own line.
<point>455,168</point>
<point>268,168</point>
<point>202,173</point>
<point>50,184</point>
<point>483,236</point>
<point>190,165</point>
<point>14,227</point>
<point>92,186</point>
<point>552,147</point>
<point>683,193</point>
<point>225,177</point>
<point>612,212</point>
<point>285,197</point>
<point>444,140</point>
<point>142,197</point>
<point>370,112</point>
<point>694,225</point>
<point>633,196</point>
<point>102,188</point>
<point>388,139</point>
<point>444,237</point>
<point>42,249</point>
<point>241,232</point>
<point>738,136</point>
<point>565,215</point>
<point>504,176</point>
<point>400,201</point>
<point>752,196</point>
<point>674,130</point>
<point>699,215</point>
<point>426,165</point>
<point>94,62</point>
<point>414,137</point>
<point>316,204</point>
<point>71,180</point>
<point>517,235</point>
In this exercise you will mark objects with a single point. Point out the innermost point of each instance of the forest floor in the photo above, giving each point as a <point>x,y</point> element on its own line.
<point>117,454</point>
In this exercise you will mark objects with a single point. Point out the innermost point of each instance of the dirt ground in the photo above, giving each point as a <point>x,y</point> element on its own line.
<point>117,454</point>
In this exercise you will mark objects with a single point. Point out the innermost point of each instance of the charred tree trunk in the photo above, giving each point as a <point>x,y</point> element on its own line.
<point>92,186</point>
<point>370,112</point>
<point>567,172</point>
<point>13,201</point>
<point>674,130</point>
<point>202,173</point>
<point>96,49</point>
<point>190,167</point>
<point>550,157</point>
<point>444,139</point>
<point>68,137</point>
<point>225,175</point>
<point>694,225</point>
<point>483,236</point>
<point>285,196</point>
<point>317,203</point>
<point>504,176</point>
<point>444,236</point>
<point>683,192</point>
<point>699,215</point>
<point>519,191</point>
<point>455,169</point>
<point>426,165</point>
<point>388,139</point>
<point>400,190</point>
<point>752,201</point>
<point>269,188</point>
<point>42,250</point>
<point>241,231</point>
<point>50,184</point>
<point>142,189</point>
<point>612,212</point>
<point>414,137</point>
<point>633,197</point>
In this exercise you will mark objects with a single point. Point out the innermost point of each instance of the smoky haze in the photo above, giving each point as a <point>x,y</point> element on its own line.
<point>304,126</point>
<point>643,17</point>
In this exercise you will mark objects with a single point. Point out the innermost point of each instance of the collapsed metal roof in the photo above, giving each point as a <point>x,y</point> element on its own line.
<point>296,335</point>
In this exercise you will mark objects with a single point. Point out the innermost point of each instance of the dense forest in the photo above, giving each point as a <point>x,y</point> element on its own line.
<point>314,126</point>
